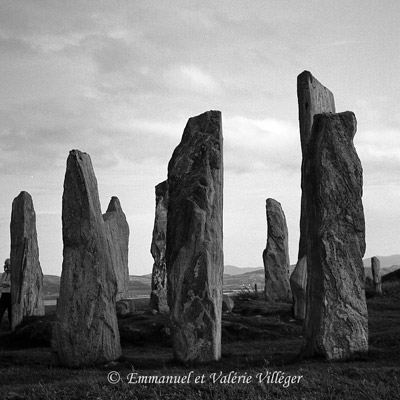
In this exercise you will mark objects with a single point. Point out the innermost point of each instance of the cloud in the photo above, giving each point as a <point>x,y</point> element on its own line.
<point>190,78</point>
<point>379,151</point>
<point>256,144</point>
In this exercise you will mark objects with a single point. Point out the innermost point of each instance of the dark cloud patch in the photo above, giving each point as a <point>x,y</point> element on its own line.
<point>15,47</point>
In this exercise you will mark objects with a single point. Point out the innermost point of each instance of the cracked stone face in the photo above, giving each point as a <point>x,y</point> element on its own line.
<point>26,272</point>
<point>336,325</point>
<point>86,329</point>
<point>194,240</point>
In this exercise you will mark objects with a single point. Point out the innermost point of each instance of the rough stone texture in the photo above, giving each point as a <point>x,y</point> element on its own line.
<point>194,240</point>
<point>376,276</point>
<point>298,284</point>
<point>85,330</point>
<point>158,296</point>
<point>227,303</point>
<point>117,229</point>
<point>125,306</point>
<point>26,273</point>
<point>276,255</point>
<point>336,324</point>
<point>313,98</point>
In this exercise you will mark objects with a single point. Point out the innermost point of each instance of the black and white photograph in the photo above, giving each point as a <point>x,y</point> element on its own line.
<point>199,199</point>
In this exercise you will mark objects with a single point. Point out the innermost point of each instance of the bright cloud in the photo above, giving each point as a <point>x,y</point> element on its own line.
<point>192,78</point>
<point>261,144</point>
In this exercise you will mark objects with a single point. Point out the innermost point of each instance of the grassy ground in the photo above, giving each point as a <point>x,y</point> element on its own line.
<point>258,339</point>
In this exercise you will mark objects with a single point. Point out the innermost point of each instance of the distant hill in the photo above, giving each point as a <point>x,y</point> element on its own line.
<point>386,261</point>
<point>232,270</point>
<point>388,264</point>
<point>234,277</point>
<point>392,276</point>
<point>51,284</point>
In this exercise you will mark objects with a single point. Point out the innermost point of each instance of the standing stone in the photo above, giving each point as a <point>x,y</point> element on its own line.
<point>158,296</point>
<point>298,284</point>
<point>376,276</point>
<point>313,98</point>
<point>194,240</point>
<point>117,229</point>
<point>26,273</point>
<point>336,324</point>
<point>276,255</point>
<point>86,330</point>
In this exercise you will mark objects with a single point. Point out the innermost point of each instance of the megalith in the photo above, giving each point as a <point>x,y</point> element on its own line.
<point>313,98</point>
<point>158,295</point>
<point>298,284</point>
<point>117,230</point>
<point>85,331</point>
<point>336,325</point>
<point>376,274</point>
<point>26,272</point>
<point>194,253</point>
<point>276,255</point>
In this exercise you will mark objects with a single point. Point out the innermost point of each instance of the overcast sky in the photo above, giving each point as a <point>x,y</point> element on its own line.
<point>119,81</point>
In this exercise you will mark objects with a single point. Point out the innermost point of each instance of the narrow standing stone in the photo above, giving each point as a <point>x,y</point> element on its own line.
<point>276,254</point>
<point>26,273</point>
<point>298,284</point>
<point>86,329</point>
<point>376,276</point>
<point>158,296</point>
<point>313,98</point>
<point>336,323</point>
<point>117,229</point>
<point>194,240</point>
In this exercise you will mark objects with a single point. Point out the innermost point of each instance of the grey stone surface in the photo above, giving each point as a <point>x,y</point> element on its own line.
<point>117,230</point>
<point>125,306</point>
<point>336,325</point>
<point>376,274</point>
<point>86,330</point>
<point>26,272</point>
<point>194,253</point>
<point>298,284</point>
<point>227,303</point>
<point>276,255</point>
<point>313,98</point>
<point>158,296</point>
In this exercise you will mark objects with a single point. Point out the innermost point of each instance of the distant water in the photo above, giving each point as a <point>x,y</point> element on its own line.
<point>53,302</point>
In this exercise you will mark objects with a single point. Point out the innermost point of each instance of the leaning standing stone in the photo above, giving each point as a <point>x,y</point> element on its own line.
<point>117,229</point>
<point>194,240</point>
<point>276,255</point>
<point>158,296</point>
<point>336,325</point>
<point>26,273</point>
<point>376,275</point>
<point>86,330</point>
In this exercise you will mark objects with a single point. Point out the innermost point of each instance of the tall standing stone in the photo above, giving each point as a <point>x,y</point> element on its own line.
<point>194,240</point>
<point>336,324</point>
<point>376,274</point>
<point>158,296</point>
<point>313,98</point>
<point>117,229</point>
<point>276,254</point>
<point>26,273</point>
<point>86,330</point>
